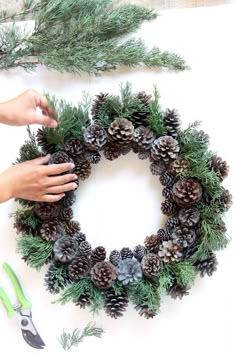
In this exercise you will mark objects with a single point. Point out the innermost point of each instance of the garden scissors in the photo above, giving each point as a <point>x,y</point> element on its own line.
<point>21,312</point>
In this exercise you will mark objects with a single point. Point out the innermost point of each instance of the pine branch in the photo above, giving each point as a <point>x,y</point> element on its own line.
<point>146,293</point>
<point>29,150</point>
<point>28,217</point>
<point>155,119</point>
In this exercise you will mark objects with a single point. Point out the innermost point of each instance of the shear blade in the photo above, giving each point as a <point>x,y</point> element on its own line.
<point>33,340</point>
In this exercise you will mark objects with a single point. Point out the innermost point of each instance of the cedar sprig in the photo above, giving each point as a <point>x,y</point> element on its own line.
<point>29,150</point>
<point>28,217</point>
<point>145,293</point>
<point>155,119</point>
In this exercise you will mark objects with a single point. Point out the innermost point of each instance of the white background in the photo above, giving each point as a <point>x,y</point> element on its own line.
<point>119,204</point>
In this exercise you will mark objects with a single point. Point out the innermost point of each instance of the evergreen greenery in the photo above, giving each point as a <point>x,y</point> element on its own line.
<point>145,293</point>
<point>29,150</point>
<point>28,217</point>
<point>155,119</point>
<point>79,36</point>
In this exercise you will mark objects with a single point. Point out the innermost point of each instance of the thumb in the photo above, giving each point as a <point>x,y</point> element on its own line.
<point>40,160</point>
<point>44,120</point>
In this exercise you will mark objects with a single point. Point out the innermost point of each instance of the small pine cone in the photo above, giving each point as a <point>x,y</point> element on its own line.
<point>143,137</point>
<point>165,149</point>
<point>82,169</point>
<point>167,179</point>
<point>59,158</point>
<point>103,275</point>
<point>162,233</point>
<point>189,217</point>
<point>139,252</point>
<point>121,132</point>
<point>92,156</point>
<point>95,137</point>
<point>83,300</point>
<point>68,200</point>
<point>222,227</point>
<point>98,254</point>
<point>115,257</point>
<point>127,149</point>
<point>150,265</point>
<point>183,236</point>
<point>170,251</point>
<point>46,210</point>
<point>139,118</point>
<point>152,243</point>
<point>21,226</point>
<point>178,291</point>
<point>144,311</point>
<point>201,136</point>
<point>207,266</point>
<point>172,121</point>
<point>115,304</point>
<point>72,227</point>
<point>43,142</point>
<point>51,230</point>
<point>172,222</point>
<point>143,154</point>
<point>144,98</point>
<point>74,147</point>
<point>79,268</point>
<point>97,103</point>
<point>111,153</point>
<point>187,192</point>
<point>157,168</point>
<point>65,249</point>
<point>85,248</point>
<point>169,208</point>
<point>79,237</point>
<point>179,165</point>
<point>219,166</point>
<point>167,192</point>
<point>56,278</point>
<point>129,270</point>
<point>66,214</point>
<point>126,252</point>
<point>225,201</point>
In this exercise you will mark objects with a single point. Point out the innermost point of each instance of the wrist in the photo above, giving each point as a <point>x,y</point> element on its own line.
<point>5,189</point>
<point>3,114</point>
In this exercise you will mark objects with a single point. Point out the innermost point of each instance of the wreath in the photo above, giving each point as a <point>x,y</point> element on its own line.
<point>195,204</point>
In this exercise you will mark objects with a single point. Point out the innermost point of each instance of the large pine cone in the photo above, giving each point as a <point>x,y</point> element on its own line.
<point>152,243</point>
<point>43,142</point>
<point>144,311</point>
<point>51,230</point>
<point>189,217</point>
<point>95,137</point>
<point>115,304</point>
<point>179,165</point>
<point>46,210</point>
<point>103,275</point>
<point>65,249</point>
<point>171,120</point>
<point>183,236</point>
<point>74,147</point>
<point>121,132</point>
<point>207,266</point>
<point>98,254</point>
<point>170,251</point>
<point>187,192</point>
<point>129,270</point>
<point>82,169</point>
<point>151,265</point>
<point>165,149</point>
<point>79,268</point>
<point>143,137</point>
<point>219,166</point>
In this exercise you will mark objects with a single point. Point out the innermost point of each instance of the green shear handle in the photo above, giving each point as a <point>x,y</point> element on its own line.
<point>7,304</point>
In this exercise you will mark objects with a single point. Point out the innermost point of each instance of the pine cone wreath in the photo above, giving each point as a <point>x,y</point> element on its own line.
<point>83,300</point>
<point>115,304</point>
<point>97,104</point>
<point>139,252</point>
<point>219,166</point>
<point>126,252</point>
<point>157,168</point>
<point>74,147</point>
<point>167,193</point>
<point>152,243</point>
<point>65,249</point>
<point>68,200</point>
<point>169,208</point>
<point>187,192</point>
<point>92,156</point>
<point>207,266</point>
<point>189,217</point>
<point>66,214</point>
<point>139,118</point>
<point>85,248</point>
<point>165,149</point>
<point>172,121</point>
<point>178,291</point>
<point>150,265</point>
<point>56,278</point>
<point>129,270</point>
<point>183,236</point>
<point>172,222</point>
<point>167,179</point>
<point>169,251</point>
<point>121,132</point>
<point>111,153</point>
<point>51,230</point>
<point>143,137</point>
<point>95,137</point>
<point>103,275</point>
<point>98,254</point>
<point>79,268</point>
<point>46,210</point>
<point>115,257</point>
<point>82,169</point>
<point>179,165</point>
<point>72,227</point>
<point>225,201</point>
<point>42,141</point>
<point>144,311</point>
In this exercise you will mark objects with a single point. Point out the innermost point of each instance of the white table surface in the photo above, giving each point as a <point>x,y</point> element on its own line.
<point>119,205</point>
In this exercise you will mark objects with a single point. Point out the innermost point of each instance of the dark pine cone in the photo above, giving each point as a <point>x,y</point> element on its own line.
<point>143,154</point>
<point>51,230</point>
<point>151,265</point>
<point>225,201</point>
<point>126,252</point>
<point>143,137</point>
<point>60,157</point>
<point>139,252</point>
<point>169,208</point>
<point>21,225</point>
<point>103,275</point>
<point>82,169</point>
<point>115,257</point>
<point>79,268</point>
<point>72,227</point>
<point>46,210</point>
<point>56,278</point>
<point>68,200</point>
<point>183,236</point>
<point>152,243</point>
<point>144,311</point>
<point>178,291</point>
<point>139,118</point>
<point>172,222</point>
<point>163,234</point>
<point>83,300</point>
<point>85,248</point>
<point>92,156</point>
<point>98,254</point>
<point>115,304</point>
<point>179,165</point>
<point>157,168</point>
<point>121,132</point>
<point>167,192</point>
<point>43,142</point>
<point>66,214</point>
<point>207,266</point>
<point>74,147</point>
<point>219,166</point>
<point>165,149</point>
<point>80,237</point>
<point>111,153</point>
<point>65,249</point>
<point>95,137</point>
<point>189,217</point>
<point>144,98</point>
<point>167,179</point>
<point>171,120</point>
<point>97,104</point>
<point>187,192</point>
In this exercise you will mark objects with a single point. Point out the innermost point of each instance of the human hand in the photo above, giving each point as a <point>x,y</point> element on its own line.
<point>34,180</point>
<point>22,110</point>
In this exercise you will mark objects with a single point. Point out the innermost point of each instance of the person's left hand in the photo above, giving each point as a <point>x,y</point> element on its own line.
<point>22,110</point>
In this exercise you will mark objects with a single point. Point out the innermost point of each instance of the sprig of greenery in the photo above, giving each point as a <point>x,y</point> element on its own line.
<point>28,217</point>
<point>29,150</point>
<point>145,293</point>
<point>68,340</point>
<point>155,119</point>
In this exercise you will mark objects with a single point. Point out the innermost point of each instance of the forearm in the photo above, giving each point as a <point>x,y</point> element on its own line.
<point>3,113</point>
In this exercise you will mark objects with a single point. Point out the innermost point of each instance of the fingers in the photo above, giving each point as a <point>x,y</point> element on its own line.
<point>62,188</point>
<point>40,160</point>
<point>41,102</point>
<point>44,120</point>
<point>54,169</point>
<point>51,198</point>
<point>60,180</point>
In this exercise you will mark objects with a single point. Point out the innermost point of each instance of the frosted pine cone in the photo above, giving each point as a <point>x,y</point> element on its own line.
<point>121,132</point>
<point>92,156</point>
<point>126,252</point>
<point>170,251</point>
<point>95,137</point>
<point>139,252</point>
<point>167,179</point>
<point>74,147</point>
<point>115,257</point>
<point>183,236</point>
<point>189,217</point>
<point>187,192</point>
<point>143,137</point>
<point>179,165</point>
<point>150,265</point>
<point>165,149</point>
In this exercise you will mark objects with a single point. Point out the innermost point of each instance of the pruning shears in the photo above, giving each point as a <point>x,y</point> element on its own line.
<point>21,312</point>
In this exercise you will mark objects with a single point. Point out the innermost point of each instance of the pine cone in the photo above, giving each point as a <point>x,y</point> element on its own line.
<point>72,227</point>
<point>79,237</point>
<point>201,136</point>
<point>126,252</point>
<point>46,210</point>
<point>43,142</point>
<point>187,192</point>
<point>143,137</point>
<point>168,208</point>
<point>167,193</point>
<point>95,137</point>
<point>103,275</point>
<point>183,236</point>
<point>21,225</point>
<point>65,249</point>
<point>162,233</point>
<point>115,257</point>
<point>98,254</point>
<point>143,154</point>
<point>178,291</point>
<point>207,266</point>
<point>172,222</point>
<point>85,248</point>
<point>165,149</point>
<point>171,120</point>
<point>151,265</point>
<point>115,304</point>
<point>219,166</point>
<point>152,243</point>
<point>139,252</point>
<point>121,132</point>
<point>189,217</point>
<point>139,118</point>
<point>97,104</point>
<point>127,149</point>
<point>167,179</point>
<point>74,147</point>
<point>157,168</point>
<point>79,268</point>
<point>225,201</point>
<point>83,300</point>
<point>59,158</point>
<point>129,270</point>
<point>66,214</point>
<point>51,230</point>
<point>68,200</point>
<point>92,156</point>
<point>144,98</point>
<point>144,311</point>
<point>179,165</point>
<point>56,278</point>
<point>170,251</point>
<point>82,169</point>
<point>111,153</point>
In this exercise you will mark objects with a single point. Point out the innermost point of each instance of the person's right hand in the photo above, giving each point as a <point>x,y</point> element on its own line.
<point>37,181</point>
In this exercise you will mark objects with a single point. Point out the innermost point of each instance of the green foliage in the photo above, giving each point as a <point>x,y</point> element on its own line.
<point>59,274</point>
<point>25,203</point>
<point>29,150</point>
<point>164,279</point>
<point>80,36</point>
<point>145,293</point>
<point>34,250</point>
<point>28,217</point>
<point>155,119</point>
<point>67,339</point>
<point>184,273</point>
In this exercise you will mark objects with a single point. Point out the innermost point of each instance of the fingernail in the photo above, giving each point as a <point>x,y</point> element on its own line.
<point>53,124</point>
<point>72,165</point>
<point>75,176</point>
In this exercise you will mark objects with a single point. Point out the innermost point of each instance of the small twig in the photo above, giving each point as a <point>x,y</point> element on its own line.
<point>57,132</point>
